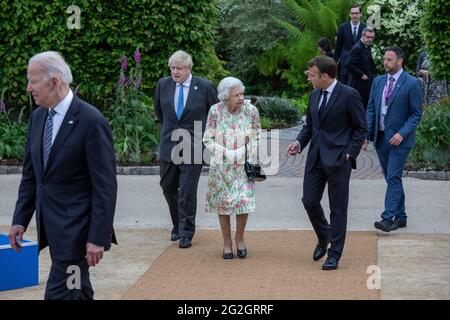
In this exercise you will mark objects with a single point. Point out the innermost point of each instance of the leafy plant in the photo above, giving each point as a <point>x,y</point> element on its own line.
<point>432,148</point>
<point>131,117</point>
<point>434,26</point>
<point>279,111</point>
<point>12,135</point>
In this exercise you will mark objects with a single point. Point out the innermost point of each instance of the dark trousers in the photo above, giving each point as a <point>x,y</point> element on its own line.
<point>69,280</point>
<point>392,161</point>
<point>179,184</point>
<point>338,179</point>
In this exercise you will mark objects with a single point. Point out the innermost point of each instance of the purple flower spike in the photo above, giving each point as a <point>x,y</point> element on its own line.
<point>2,106</point>
<point>123,62</point>
<point>137,56</point>
<point>122,79</point>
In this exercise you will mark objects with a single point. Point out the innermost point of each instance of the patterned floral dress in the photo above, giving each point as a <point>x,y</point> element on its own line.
<point>229,190</point>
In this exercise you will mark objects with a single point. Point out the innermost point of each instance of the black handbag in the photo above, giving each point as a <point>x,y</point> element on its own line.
<point>253,171</point>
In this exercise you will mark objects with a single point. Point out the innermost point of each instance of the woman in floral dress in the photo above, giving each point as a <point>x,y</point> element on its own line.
<point>231,123</point>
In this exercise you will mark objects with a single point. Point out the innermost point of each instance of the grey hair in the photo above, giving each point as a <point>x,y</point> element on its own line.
<point>226,85</point>
<point>53,65</point>
<point>182,58</point>
<point>368,29</point>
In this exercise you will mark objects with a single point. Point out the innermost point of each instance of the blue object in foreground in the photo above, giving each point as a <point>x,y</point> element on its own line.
<point>18,270</point>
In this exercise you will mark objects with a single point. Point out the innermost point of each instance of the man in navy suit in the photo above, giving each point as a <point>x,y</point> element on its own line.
<point>336,127</point>
<point>393,113</point>
<point>361,66</point>
<point>347,35</point>
<point>182,102</point>
<point>69,179</point>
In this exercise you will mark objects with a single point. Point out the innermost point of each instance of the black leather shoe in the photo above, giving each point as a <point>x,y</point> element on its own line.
<point>401,222</point>
<point>185,243</point>
<point>228,255</point>
<point>242,253</point>
<point>320,250</point>
<point>386,225</point>
<point>330,264</point>
<point>174,237</point>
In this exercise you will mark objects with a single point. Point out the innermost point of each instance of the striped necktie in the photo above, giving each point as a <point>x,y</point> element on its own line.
<point>48,135</point>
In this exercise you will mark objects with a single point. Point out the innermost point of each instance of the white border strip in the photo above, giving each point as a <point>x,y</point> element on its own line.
<point>24,244</point>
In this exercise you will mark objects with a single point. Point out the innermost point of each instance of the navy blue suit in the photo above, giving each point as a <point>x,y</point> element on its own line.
<point>74,197</point>
<point>344,44</point>
<point>338,130</point>
<point>403,115</point>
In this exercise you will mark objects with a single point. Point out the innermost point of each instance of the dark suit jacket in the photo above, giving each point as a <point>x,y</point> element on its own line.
<point>202,95</point>
<point>360,62</point>
<point>404,109</point>
<point>75,196</point>
<point>344,42</point>
<point>341,130</point>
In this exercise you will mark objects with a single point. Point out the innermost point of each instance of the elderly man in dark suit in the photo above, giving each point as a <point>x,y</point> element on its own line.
<point>361,66</point>
<point>347,35</point>
<point>393,113</point>
<point>69,179</point>
<point>336,127</point>
<point>182,102</point>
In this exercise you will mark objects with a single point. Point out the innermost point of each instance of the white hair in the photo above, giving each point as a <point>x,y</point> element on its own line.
<point>181,57</point>
<point>53,65</point>
<point>226,85</point>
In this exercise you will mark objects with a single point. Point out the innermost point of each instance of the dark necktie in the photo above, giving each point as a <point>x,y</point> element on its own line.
<point>355,34</point>
<point>324,102</point>
<point>48,134</point>
<point>389,90</point>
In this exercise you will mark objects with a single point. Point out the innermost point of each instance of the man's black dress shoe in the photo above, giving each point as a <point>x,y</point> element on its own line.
<point>386,225</point>
<point>185,243</point>
<point>228,255</point>
<point>330,264</point>
<point>174,237</point>
<point>401,222</point>
<point>242,253</point>
<point>320,250</point>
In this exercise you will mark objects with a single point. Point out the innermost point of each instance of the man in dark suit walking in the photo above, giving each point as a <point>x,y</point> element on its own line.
<point>336,127</point>
<point>182,102</point>
<point>361,66</point>
<point>393,113</point>
<point>69,179</point>
<point>347,35</point>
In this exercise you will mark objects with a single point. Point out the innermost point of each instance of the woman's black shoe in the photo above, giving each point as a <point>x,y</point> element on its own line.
<point>228,255</point>
<point>242,253</point>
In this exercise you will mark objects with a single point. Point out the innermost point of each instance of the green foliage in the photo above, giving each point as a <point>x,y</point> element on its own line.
<point>245,32</point>
<point>12,135</point>
<point>314,19</point>
<point>432,150</point>
<point>399,26</point>
<point>132,118</point>
<point>277,112</point>
<point>108,28</point>
<point>436,30</point>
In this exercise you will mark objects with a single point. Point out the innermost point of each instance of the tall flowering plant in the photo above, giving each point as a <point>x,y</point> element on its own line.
<point>131,116</point>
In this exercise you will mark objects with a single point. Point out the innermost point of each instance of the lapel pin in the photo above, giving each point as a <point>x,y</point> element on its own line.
<point>71,122</point>
<point>195,88</point>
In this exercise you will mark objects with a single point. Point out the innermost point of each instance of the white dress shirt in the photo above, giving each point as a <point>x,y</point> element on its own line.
<point>61,110</point>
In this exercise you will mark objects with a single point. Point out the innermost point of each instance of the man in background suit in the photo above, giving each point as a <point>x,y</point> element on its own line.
<point>69,178</point>
<point>361,66</point>
<point>182,102</point>
<point>347,35</point>
<point>336,127</point>
<point>393,113</point>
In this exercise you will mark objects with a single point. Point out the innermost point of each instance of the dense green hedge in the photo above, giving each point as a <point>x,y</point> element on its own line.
<point>108,30</point>
<point>436,30</point>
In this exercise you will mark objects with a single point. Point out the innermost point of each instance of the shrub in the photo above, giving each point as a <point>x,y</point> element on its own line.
<point>280,112</point>
<point>132,117</point>
<point>108,28</point>
<point>432,150</point>
<point>12,135</point>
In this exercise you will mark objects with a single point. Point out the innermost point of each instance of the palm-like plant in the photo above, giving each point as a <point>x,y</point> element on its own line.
<point>315,19</point>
